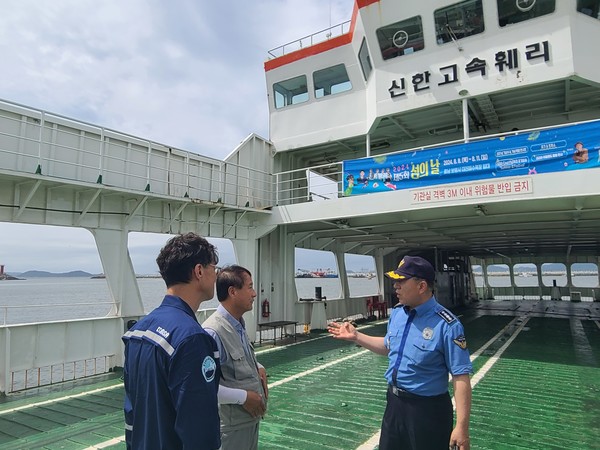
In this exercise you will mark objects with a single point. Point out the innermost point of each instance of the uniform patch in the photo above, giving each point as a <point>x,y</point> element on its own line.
<point>427,333</point>
<point>209,369</point>
<point>446,315</point>
<point>461,341</point>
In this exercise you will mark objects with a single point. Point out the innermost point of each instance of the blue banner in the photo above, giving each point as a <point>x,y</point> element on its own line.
<point>571,147</point>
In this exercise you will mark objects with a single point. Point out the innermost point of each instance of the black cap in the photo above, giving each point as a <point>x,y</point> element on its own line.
<point>413,267</point>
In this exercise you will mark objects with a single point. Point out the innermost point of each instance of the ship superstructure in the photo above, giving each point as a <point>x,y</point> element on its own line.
<point>468,106</point>
<point>466,132</point>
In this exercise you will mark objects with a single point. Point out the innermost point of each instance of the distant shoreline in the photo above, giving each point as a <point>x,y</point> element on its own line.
<point>102,276</point>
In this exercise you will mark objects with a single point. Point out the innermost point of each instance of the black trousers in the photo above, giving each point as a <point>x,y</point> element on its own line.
<point>413,422</point>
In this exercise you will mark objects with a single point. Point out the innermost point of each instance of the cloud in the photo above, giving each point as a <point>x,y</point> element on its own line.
<point>185,73</point>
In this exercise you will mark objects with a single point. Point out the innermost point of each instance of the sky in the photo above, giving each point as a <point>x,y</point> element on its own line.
<point>184,73</point>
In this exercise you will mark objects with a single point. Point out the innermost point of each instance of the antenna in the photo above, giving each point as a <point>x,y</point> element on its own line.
<point>452,35</point>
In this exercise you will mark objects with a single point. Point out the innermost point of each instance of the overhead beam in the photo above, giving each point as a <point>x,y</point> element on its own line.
<point>401,127</point>
<point>89,205</point>
<point>28,198</point>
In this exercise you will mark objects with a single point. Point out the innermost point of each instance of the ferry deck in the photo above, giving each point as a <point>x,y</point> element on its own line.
<point>536,359</point>
<point>536,371</point>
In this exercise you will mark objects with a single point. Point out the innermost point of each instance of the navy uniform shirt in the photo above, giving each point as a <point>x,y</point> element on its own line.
<point>434,345</point>
<point>171,375</point>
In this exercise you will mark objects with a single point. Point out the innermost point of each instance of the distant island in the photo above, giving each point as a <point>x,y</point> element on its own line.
<point>72,274</point>
<point>44,274</point>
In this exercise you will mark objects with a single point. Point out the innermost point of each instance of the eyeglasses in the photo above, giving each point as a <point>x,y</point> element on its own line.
<point>217,268</point>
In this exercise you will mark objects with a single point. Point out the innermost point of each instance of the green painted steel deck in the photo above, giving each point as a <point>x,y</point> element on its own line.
<point>536,386</point>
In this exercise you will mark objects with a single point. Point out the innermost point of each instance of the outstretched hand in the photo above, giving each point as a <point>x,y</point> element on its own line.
<point>343,330</point>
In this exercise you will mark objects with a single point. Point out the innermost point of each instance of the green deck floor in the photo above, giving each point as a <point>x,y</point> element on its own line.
<point>543,392</point>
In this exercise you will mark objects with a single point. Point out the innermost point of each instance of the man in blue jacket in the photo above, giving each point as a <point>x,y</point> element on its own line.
<point>171,368</point>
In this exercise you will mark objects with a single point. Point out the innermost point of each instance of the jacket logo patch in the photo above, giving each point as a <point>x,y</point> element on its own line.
<point>209,369</point>
<point>164,333</point>
<point>461,341</point>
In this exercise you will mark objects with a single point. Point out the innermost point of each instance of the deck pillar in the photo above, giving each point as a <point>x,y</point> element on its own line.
<point>246,251</point>
<point>120,276</point>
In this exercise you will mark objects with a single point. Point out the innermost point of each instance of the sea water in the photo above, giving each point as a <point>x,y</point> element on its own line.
<point>58,299</point>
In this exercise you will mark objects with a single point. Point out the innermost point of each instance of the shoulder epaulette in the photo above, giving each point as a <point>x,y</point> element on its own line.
<point>446,315</point>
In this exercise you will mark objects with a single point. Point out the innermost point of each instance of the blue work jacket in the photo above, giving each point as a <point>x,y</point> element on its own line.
<point>171,375</point>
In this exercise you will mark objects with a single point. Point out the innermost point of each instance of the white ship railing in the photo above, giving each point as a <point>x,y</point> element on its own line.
<point>44,353</point>
<point>311,39</point>
<point>59,373</point>
<point>77,310</point>
<point>38,354</point>
<point>323,182</point>
<point>37,142</point>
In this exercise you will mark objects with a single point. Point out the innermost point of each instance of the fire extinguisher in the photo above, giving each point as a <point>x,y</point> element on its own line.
<point>266,311</point>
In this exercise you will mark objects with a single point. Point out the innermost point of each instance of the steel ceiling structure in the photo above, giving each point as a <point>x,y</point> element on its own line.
<point>561,227</point>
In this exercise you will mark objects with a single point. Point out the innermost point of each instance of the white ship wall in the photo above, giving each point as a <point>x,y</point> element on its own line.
<point>573,54</point>
<point>324,119</point>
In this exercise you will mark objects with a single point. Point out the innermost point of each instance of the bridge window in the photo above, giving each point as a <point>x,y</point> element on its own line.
<point>554,273</point>
<point>525,275</point>
<point>515,11</point>
<point>458,21</point>
<point>316,274</point>
<point>332,80</point>
<point>584,275</point>
<point>401,38</point>
<point>365,59</point>
<point>362,275</point>
<point>589,8</point>
<point>478,275</point>
<point>290,92</point>
<point>498,275</point>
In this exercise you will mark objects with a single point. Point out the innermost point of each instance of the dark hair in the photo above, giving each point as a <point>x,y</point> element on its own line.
<point>180,255</point>
<point>230,276</point>
<point>430,283</point>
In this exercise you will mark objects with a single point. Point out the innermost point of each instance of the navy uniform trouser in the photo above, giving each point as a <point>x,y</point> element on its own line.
<point>413,422</point>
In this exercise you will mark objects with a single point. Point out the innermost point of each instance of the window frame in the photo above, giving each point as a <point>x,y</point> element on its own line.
<point>331,86</point>
<point>415,43</point>
<point>291,98</point>
<point>478,7</point>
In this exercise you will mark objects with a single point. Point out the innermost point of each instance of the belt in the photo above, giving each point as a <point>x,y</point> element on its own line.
<point>401,393</point>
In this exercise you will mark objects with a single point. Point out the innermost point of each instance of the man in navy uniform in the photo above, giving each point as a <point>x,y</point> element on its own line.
<point>171,368</point>
<point>424,343</point>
